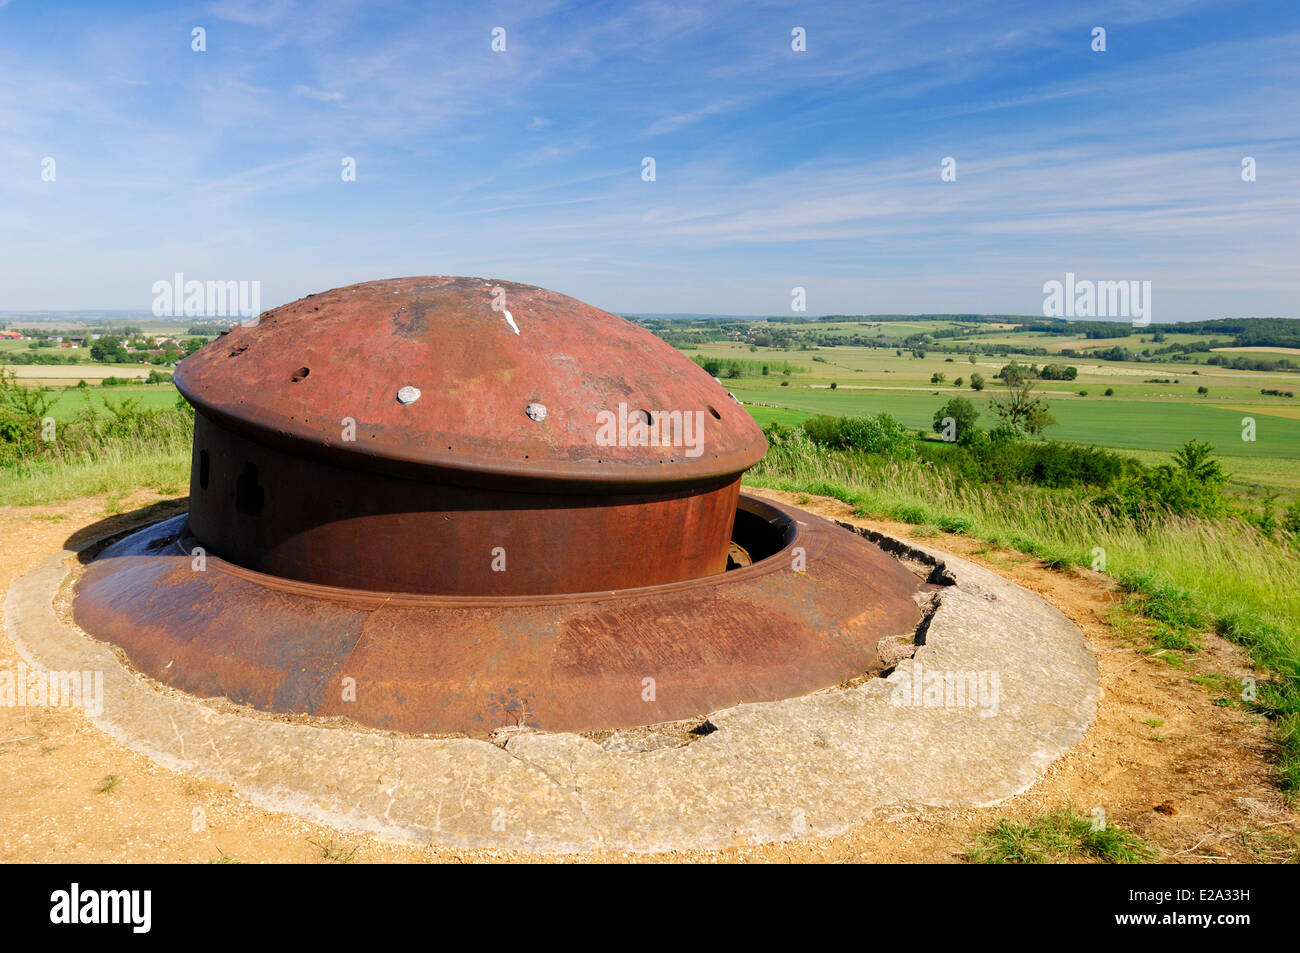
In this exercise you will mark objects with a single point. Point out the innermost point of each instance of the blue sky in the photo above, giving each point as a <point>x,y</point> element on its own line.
<point>774,168</point>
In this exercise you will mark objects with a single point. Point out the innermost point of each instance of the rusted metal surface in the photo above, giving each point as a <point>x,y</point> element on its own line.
<point>292,380</point>
<point>458,664</point>
<point>405,436</point>
<point>291,516</point>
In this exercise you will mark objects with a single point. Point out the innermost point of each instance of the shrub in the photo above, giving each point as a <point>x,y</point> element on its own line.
<point>1291,518</point>
<point>986,460</point>
<point>1192,485</point>
<point>963,415</point>
<point>881,434</point>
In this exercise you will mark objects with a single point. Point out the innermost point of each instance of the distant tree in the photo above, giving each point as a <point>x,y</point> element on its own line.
<point>1016,369</point>
<point>833,385</point>
<point>958,382</point>
<point>1020,407</point>
<point>1202,390</point>
<point>108,350</point>
<point>937,378</point>
<point>977,381</point>
<point>1059,372</point>
<point>962,414</point>
<point>1110,392</point>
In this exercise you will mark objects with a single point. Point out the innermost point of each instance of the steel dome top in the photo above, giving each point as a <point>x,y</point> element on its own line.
<point>472,375</point>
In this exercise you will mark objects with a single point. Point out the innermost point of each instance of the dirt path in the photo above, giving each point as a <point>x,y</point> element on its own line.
<point>1194,785</point>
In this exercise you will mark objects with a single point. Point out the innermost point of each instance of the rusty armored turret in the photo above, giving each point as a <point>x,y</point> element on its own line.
<point>450,504</point>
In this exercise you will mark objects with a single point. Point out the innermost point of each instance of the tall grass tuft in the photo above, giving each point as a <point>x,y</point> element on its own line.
<point>121,446</point>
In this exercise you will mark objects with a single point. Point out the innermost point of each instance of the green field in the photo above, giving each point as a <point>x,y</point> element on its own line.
<point>1153,410</point>
<point>69,401</point>
<point>1107,422</point>
<point>1146,415</point>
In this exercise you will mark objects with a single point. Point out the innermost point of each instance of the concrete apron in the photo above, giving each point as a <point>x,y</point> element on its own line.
<point>1003,685</point>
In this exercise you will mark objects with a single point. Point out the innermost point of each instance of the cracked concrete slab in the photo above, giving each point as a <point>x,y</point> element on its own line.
<point>1003,685</point>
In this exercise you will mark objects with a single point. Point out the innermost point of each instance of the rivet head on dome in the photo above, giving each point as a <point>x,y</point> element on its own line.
<point>408,394</point>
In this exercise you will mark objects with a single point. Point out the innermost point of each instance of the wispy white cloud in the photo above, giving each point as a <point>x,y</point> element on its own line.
<point>678,120</point>
<point>319,95</point>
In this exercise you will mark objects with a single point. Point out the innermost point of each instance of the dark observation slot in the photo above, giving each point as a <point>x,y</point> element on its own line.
<point>249,495</point>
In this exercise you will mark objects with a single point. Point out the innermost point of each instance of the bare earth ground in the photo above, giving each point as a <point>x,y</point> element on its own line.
<point>1200,786</point>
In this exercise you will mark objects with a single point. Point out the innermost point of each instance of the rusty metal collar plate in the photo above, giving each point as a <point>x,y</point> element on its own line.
<point>807,615</point>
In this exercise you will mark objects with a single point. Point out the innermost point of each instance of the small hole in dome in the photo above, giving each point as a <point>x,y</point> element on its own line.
<point>647,417</point>
<point>714,412</point>
<point>300,374</point>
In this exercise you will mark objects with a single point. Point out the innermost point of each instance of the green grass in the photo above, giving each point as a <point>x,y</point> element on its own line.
<point>108,784</point>
<point>1060,836</point>
<point>133,437</point>
<point>336,853</point>
<point>1249,475</point>
<point>1272,846</point>
<point>69,401</point>
<point>117,466</point>
<point>1105,422</point>
<point>1142,417</point>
